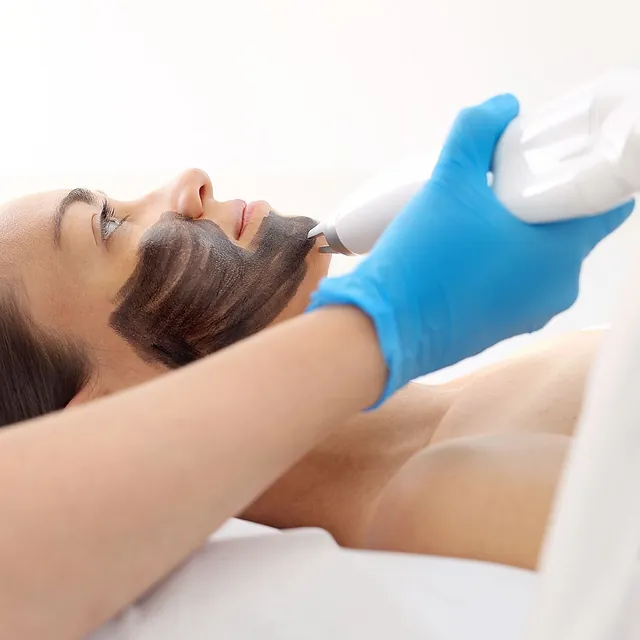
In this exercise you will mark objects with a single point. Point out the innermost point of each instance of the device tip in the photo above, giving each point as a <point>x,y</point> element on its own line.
<point>316,231</point>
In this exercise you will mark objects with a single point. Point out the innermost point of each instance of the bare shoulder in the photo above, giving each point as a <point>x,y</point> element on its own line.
<point>537,390</point>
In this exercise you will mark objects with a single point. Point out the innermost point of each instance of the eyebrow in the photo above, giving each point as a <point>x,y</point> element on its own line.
<point>74,196</point>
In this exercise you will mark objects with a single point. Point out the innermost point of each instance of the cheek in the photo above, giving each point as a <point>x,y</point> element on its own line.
<point>111,272</point>
<point>90,299</point>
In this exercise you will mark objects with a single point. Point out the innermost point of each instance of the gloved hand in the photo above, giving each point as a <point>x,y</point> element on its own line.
<point>455,272</point>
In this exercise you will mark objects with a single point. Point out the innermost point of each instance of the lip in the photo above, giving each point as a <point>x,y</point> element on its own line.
<point>242,220</point>
<point>247,214</point>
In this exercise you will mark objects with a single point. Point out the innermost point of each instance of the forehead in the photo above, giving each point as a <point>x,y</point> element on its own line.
<point>52,280</point>
<point>26,235</point>
<point>29,215</point>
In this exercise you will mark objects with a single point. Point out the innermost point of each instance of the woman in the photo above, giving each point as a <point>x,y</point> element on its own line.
<point>349,483</point>
<point>121,490</point>
<point>85,271</point>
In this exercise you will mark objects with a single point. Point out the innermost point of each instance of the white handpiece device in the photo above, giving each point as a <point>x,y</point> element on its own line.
<point>575,157</point>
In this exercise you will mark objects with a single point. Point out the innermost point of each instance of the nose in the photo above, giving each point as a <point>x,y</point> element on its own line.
<point>188,193</point>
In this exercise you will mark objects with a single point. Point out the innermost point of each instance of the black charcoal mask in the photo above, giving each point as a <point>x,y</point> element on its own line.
<point>194,292</point>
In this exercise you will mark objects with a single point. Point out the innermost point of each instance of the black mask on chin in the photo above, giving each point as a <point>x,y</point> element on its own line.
<point>194,292</point>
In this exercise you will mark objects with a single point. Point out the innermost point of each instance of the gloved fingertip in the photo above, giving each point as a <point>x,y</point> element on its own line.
<point>505,105</point>
<point>496,115</point>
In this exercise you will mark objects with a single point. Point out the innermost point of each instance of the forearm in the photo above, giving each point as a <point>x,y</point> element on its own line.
<point>101,501</point>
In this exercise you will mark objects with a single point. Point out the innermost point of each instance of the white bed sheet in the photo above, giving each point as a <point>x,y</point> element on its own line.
<point>251,582</point>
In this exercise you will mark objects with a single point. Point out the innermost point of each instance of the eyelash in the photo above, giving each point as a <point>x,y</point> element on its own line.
<point>107,218</point>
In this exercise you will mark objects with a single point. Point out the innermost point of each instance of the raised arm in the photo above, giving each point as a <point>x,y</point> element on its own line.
<point>101,501</point>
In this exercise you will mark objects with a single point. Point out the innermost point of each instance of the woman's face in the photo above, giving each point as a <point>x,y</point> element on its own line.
<point>156,282</point>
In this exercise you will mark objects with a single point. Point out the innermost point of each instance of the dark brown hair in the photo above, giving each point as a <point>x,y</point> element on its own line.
<point>39,371</point>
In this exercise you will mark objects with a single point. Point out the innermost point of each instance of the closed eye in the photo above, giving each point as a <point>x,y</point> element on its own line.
<point>109,222</point>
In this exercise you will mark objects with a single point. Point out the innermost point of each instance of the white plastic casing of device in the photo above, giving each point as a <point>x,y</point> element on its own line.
<point>575,157</point>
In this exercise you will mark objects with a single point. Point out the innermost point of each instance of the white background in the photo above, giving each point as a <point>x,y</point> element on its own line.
<point>292,101</point>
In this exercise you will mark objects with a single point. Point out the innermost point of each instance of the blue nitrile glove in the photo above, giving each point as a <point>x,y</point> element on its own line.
<point>455,272</point>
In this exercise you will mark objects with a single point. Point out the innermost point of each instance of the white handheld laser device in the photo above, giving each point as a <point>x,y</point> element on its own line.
<point>575,157</point>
